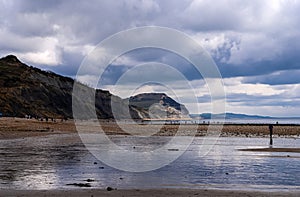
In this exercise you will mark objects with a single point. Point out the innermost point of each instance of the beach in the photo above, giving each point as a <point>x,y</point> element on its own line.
<point>20,127</point>
<point>52,161</point>
<point>145,193</point>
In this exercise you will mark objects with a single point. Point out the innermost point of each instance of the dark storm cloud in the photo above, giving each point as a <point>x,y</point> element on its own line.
<point>29,6</point>
<point>256,100</point>
<point>276,78</point>
<point>260,68</point>
<point>70,23</point>
<point>89,22</point>
<point>255,40</point>
<point>144,55</point>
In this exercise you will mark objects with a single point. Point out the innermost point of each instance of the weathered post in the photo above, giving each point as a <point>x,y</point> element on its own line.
<point>271,133</point>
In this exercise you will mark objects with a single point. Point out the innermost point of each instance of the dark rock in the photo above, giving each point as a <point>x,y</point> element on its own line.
<point>109,189</point>
<point>80,184</point>
<point>173,149</point>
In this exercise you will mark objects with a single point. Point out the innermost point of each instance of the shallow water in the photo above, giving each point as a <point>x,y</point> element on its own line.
<point>58,161</point>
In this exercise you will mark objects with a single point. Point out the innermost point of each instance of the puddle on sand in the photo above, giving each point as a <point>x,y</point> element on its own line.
<point>62,162</point>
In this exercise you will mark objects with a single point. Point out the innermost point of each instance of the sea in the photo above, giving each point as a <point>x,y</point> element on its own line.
<point>263,121</point>
<point>292,121</point>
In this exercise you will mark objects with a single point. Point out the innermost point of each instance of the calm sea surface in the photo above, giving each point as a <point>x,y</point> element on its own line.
<point>265,121</point>
<point>237,121</point>
<point>59,161</point>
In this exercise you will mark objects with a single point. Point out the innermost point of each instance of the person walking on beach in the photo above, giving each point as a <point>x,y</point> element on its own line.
<point>271,133</point>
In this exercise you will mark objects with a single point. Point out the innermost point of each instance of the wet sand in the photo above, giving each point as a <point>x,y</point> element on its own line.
<point>286,150</point>
<point>145,193</point>
<point>20,127</point>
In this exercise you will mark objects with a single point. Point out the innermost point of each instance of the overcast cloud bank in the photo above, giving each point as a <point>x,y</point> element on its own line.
<point>254,43</point>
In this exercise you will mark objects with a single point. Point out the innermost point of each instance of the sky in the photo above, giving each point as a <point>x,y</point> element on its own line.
<point>254,43</point>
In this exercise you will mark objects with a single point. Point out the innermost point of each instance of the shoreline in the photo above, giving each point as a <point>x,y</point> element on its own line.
<point>146,193</point>
<point>11,128</point>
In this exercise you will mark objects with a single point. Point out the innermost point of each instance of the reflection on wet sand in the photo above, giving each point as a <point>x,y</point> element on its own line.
<point>35,161</point>
<point>62,162</point>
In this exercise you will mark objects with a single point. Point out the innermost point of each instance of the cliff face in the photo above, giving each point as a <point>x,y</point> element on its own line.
<point>26,90</point>
<point>157,106</point>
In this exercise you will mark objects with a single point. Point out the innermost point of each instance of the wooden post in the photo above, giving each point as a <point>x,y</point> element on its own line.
<point>271,133</point>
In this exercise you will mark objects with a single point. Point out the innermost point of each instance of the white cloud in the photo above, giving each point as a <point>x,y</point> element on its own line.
<point>289,91</point>
<point>47,57</point>
<point>235,86</point>
<point>83,50</point>
<point>35,50</point>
